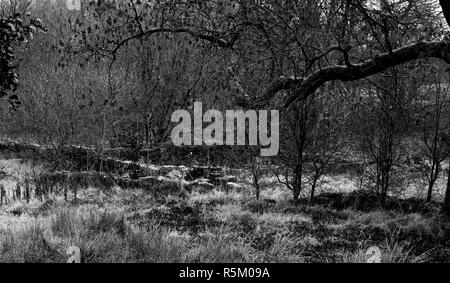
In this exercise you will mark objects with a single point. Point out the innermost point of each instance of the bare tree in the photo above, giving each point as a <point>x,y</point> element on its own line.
<point>432,123</point>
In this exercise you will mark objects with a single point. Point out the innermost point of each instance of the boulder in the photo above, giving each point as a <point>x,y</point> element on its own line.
<point>167,169</point>
<point>175,174</point>
<point>222,181</point>
<point>150,180</point>
<point>233,186</point>
<point>150,170</point>
<point>166,179</point>
<point>168,186</point>
<point>197,172</point>
<point>202,186</point>
<point>269,202</point>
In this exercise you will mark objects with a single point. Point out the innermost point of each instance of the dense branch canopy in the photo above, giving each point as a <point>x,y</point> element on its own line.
<point>303,47</point>
<point>301,89</point>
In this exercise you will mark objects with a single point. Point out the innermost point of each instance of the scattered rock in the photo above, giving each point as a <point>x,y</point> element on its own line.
<point>175,174</point>
<point>197,172</point>
<point>222,181</point>
<point>205,185</point>
<point>269,202</point>
<point>169,186</point>
<point>233,186</point>
<point>202,185</point>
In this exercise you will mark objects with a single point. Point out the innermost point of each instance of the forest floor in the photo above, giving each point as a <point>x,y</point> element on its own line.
<point>135,225</point>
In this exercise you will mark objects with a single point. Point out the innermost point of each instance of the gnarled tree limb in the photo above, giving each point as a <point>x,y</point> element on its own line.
<point>219,41</point>
<point>301,90</point>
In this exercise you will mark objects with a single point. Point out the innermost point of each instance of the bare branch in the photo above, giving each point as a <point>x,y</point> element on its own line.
<point>217,40</point>
<point>301,90</point>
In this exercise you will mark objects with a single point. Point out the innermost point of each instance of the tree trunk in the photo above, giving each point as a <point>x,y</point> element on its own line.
<point>430,192</point>
<point>384,191</point>
<point>27,192</point>
<point>313,189</point>
<point>1,195</point>
<point>435,164</point>
<point>256,184</point>
<point>433,179</point>
<point>314,185</point>
<point>297,186</point>
<point>255,174</point>
<point>296,191</point>
<point>446,206</point>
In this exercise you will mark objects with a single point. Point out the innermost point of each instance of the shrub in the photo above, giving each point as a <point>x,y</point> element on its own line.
<point>63,223</point>
<point>135,171</point>
<point>243,222</point>
<point>220,246</point>
<point>105,222</point>
<point>255,206</point>
<point>29,245</point>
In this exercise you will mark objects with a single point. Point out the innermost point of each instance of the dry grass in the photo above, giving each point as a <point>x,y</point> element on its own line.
<point>120,225</point>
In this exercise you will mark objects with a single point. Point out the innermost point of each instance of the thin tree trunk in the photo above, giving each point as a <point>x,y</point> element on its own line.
<point>256,182</point>
<point>297,186</point>
<point>314,185</point>
<point>446,206</point>
<point>430,191</point>
<point>257,189</point>
<point>433,177</point>
<point>385,182</point>
<point>27,192</point>
<point>313,189</point>
<point>1,195</point>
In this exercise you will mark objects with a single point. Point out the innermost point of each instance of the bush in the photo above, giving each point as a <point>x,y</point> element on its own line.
<point>135,171</point>
<point>29,245</point>
<point>64,224</point>
<point>106,222</point>
<point>220,247</point>
<point>242,222</point>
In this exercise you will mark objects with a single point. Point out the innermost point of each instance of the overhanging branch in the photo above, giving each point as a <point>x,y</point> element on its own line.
<point>217,40</point>
<point>302,89</point>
